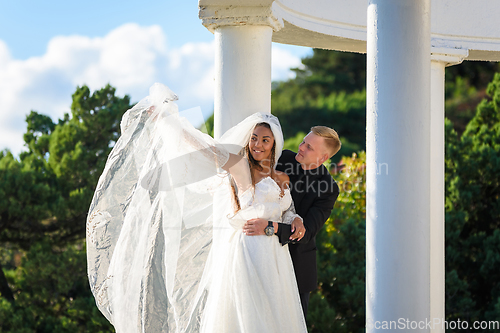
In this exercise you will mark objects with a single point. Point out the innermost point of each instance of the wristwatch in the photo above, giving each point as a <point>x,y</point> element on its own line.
<point>269,229</point>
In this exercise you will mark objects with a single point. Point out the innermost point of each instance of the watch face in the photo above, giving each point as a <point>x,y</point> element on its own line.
<point>269,231</point>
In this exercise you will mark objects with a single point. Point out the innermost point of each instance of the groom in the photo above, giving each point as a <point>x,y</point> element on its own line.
<point>314,193</point>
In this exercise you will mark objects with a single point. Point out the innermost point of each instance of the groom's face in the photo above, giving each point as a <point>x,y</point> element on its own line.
<point>312,152</point>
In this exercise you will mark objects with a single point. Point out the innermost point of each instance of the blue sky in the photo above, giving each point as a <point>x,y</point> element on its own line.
<point>47,48</point>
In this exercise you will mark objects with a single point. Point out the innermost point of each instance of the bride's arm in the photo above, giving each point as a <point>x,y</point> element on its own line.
<point>238,168</point>
<point>289,229</point>
<point>290,221</point>
<point>289,218</point>
<point>236,165</point>
<point>294,225</point>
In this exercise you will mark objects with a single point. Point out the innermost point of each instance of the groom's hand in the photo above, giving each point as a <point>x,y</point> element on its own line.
<point>298,229</point>
<point>255,227</point>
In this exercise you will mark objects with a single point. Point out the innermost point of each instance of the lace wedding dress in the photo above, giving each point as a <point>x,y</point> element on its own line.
<point>165,250</point>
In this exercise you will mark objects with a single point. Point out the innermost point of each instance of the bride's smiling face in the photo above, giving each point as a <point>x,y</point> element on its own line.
<point>261,143</point>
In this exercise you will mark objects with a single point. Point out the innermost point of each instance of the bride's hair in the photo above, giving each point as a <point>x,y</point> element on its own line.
<point>254,164</point>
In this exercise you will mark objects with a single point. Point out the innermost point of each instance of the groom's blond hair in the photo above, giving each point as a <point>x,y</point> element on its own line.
<point>332,141</point>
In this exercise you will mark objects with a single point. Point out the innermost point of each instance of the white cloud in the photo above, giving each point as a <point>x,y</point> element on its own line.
<point>130,58</point>
<point>4,54</point>
<point>282,61</point>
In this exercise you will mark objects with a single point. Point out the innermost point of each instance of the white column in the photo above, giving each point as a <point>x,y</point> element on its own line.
<point>440,58</point>
<point>398,165</point>
<point>437,194</point>
<point>242,74</point>
<point>242,60</point>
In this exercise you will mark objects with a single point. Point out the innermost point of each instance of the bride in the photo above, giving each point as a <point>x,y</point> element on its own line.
<point>165,247</point>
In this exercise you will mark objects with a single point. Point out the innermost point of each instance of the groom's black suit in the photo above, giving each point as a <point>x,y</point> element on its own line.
<point>314,193</point>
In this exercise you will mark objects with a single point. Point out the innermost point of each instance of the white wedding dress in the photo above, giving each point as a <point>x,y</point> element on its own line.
<point>165,250</point>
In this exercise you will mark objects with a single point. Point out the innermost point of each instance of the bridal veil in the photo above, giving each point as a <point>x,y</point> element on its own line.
<point>155,238</point>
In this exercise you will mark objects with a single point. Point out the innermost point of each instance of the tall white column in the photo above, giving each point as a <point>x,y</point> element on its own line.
<point>437,194</point>
<point>242,74</point>
<point>440,58</point>
<point>398,165</point>
<point>242,60</point>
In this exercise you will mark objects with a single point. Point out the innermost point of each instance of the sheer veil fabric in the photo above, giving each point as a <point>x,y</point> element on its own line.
<point>165,250</point>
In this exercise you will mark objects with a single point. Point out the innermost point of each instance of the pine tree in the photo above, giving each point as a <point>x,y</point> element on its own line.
<point>473,214</point>
<point>44,199</point>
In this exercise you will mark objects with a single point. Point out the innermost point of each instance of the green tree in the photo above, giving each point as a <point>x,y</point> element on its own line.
<point>473,214</point>
<point>327,71</point>
<point>52,293</point>
<point>48,190</point>
<point>328,90</point>
<point>339,303</point>
<point>44,199</point>
<point>465,87</point>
